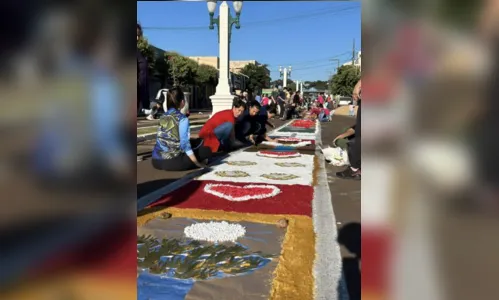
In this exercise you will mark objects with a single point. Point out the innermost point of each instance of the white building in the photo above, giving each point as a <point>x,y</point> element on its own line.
<point>357,61</point>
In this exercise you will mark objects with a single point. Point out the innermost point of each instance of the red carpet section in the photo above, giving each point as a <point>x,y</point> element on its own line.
<point>377,245</point>
<point>292,200</point>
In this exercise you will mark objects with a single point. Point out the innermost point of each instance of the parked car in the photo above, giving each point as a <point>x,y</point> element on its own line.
<point>345,101</point>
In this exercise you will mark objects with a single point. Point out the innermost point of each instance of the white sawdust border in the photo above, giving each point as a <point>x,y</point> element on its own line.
<point>154,196</point>
<point>328,266</point>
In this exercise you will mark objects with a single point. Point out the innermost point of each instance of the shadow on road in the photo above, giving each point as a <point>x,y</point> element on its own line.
<point>148,186</point>
<point>350,237</point>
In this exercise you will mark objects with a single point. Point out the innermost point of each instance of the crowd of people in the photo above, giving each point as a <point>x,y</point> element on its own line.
<point>244,124</point>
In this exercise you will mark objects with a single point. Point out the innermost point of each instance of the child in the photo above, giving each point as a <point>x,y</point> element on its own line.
<point>323,115</point>
<point>351,110</point>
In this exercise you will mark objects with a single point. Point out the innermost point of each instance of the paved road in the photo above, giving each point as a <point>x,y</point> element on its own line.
<point>345,196</point>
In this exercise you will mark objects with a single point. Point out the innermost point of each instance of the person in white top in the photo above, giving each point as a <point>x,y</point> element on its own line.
<point>351,110</point>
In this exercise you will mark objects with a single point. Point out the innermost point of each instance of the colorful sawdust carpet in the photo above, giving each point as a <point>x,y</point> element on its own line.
<point>223,240</point>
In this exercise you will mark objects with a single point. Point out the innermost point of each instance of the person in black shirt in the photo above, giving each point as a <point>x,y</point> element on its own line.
<point>251,126</point>
<point>291,107</point>
<point>281,100</point>
<point>245,125</point>
<point>262,119</point>
<point>354,151</point>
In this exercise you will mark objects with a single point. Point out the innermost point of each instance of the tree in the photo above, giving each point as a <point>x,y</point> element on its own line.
<point>343,82</point>
<point>318,84</point>
<point>280,82</point>
<point>258,77</point>
<point>148,52</point>
<point>207,74</point>
<point>183,70</point>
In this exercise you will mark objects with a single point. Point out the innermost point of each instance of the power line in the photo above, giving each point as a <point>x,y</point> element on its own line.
<point>266,22</point>
<point>313,67</point>
<point>312,61</point>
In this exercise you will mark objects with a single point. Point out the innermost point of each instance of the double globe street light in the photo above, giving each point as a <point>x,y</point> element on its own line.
<point>223,97</point>
<point>284,74</point>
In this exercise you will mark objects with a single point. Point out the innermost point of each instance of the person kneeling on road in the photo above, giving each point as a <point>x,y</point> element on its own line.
<point>251,128</point>
<point>173,150</point>
<point>218,133</point>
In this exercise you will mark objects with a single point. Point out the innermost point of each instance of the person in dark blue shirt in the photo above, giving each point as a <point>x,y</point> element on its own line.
<point>251,127</point>
<point>262,119</point>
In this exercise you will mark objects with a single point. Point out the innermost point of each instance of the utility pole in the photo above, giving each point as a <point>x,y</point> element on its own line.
<point>338,61</point>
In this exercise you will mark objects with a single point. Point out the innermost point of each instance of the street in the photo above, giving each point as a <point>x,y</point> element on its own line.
<point>345,195</point>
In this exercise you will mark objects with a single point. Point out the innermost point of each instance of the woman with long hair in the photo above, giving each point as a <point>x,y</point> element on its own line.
<point>173,150</point>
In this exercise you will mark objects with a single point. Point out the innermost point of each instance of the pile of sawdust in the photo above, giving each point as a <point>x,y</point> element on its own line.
<point>344,111</point>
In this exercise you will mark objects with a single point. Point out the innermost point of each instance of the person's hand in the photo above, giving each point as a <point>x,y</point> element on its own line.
<point>339,137</point>
<point>355,96</point>
<point>251,139</point>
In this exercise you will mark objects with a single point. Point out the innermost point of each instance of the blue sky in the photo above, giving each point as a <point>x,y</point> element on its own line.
<point>305,35</point>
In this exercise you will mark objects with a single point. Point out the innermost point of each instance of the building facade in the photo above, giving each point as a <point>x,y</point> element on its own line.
<point>238,81</point>
<point>357,62</point>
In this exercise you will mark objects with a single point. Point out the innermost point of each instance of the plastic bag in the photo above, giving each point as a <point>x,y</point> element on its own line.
<point>336,156</point>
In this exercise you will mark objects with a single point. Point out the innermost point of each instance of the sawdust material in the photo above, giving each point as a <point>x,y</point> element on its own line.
<point>293,277</point>
<point>344,111</point>
<point>315,171</point>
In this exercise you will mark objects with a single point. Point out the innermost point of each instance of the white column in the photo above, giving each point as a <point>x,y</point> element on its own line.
<point>285,80</point>
<point>223,98</point>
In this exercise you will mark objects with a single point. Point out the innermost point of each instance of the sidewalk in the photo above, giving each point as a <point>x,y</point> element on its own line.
<point>346,198</point>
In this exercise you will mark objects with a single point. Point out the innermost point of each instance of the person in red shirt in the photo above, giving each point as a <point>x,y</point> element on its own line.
<point>265,100</point>
<point>218,132</point>
<point>320,99</point>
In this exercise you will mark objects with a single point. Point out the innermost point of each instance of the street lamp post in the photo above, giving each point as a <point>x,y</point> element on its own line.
<point>285,73</point>
<point>223,97</point>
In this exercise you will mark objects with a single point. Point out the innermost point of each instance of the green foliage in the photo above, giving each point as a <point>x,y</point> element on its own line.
<point>191,259</point>
<point>318,84</point>
<point>148,52</point>
<point>258,77</point>
<point>343,82</point>
<point>207,74</point>
<point>279,82</point>
<point>182,70</point>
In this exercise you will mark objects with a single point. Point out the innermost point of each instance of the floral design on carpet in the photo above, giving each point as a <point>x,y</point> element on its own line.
<point>232,174</point>
<point>193,260</point>
<point>240,163</point>
<point>278,154</point>
<point>303,123</point>
<point>279,176</point>
<point>242,193</point>
<point>216,232</point>
<point>288,140</point>
<point>289,164</point>
<point>288,144</point>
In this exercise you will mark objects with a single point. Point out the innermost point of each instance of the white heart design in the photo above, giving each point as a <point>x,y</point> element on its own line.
<point>273,191</point>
